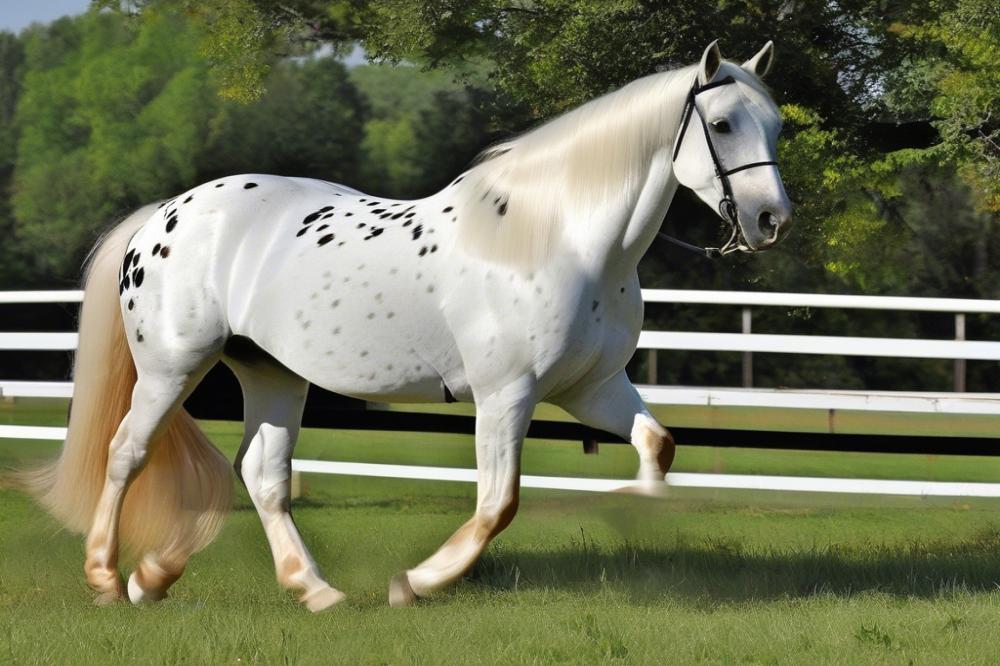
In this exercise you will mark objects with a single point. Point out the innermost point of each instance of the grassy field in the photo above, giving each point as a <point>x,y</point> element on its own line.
<point>715,577</point>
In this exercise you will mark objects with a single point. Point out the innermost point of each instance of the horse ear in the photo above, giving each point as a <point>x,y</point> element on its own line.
<point>711,59</point>
<point>760,64</point>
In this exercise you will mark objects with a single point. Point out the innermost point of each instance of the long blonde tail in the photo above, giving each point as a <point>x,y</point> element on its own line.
<point>177,503</point>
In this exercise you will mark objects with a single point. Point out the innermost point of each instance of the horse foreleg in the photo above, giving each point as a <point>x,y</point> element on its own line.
<point>501,422</point>
<point>273,401</point>
<point>615,406</point>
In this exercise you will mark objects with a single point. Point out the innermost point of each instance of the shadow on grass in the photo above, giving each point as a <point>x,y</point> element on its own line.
<point>722,571</point>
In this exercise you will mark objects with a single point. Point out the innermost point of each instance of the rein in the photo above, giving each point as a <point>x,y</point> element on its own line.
<point>727,206</point>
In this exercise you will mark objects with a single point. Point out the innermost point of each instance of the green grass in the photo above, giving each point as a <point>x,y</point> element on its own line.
<point>700,577</point>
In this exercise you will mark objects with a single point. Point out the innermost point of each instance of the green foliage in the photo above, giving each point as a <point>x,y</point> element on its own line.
<point>424,128</point>
<point>112,121</point>
<point>11,68</point>
<point>309,123</point>
<point>961,65</point>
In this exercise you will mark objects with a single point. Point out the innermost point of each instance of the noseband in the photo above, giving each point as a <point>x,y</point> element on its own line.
<point>727,206</point>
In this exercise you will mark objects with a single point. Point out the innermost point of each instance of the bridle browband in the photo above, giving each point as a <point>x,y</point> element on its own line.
<point>727,206</point>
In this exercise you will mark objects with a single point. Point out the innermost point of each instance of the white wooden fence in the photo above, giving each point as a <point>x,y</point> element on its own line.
<point>746,342</point>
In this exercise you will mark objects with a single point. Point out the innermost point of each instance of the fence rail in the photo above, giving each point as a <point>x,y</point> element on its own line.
<point>746,343</point>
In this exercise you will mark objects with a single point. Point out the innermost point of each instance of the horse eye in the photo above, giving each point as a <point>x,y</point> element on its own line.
<point>721,126</point>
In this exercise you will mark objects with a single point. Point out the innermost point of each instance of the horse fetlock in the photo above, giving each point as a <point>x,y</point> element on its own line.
<point>105,581</point>
<point>150,581</point>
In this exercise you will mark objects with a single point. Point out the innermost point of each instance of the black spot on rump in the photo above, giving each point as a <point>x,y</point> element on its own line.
<point>165,252</point>
<point>378,211</point>
<point>249,186</point>
<point>325,239</point>
<point>135,260</point>
<point>156,249</point>
<point>502,209</point>
<point>302,231</point>
<point>171,223</point>
<point>325,209</point>
<point>131,304</point>
<point>188,200</point>
<point>448,209</point>
<point>322,227</point>
<point>127,260</point>
<point>423,251</point>
<point>138,276</point>
<point>310,218</point>
<point>417,231</point>
<point>219,184</point>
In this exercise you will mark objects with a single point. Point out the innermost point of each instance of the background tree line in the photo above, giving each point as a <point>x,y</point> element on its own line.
<point>890,149</point>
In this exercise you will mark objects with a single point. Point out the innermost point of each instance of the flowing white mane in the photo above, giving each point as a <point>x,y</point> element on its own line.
<point>512,204</point>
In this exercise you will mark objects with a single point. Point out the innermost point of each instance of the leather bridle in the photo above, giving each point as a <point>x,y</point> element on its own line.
<point>727,205</point>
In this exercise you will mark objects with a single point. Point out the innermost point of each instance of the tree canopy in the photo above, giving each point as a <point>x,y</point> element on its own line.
<point>890,150</point>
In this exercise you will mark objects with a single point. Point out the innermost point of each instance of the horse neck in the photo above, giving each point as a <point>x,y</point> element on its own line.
<point>624,225</point>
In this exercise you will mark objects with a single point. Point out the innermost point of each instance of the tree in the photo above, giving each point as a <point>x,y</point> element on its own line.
<point>108,119</point>
<point>11,70</point>
<point>310,122</point>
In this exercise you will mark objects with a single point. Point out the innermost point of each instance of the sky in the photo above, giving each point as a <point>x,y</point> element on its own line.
<point>16,15</point>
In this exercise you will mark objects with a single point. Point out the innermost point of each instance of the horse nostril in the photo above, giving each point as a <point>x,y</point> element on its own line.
<point>768,224</point>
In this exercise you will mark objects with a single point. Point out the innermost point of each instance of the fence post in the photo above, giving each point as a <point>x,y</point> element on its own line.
<point>747,356</point>
<point>959,362</point>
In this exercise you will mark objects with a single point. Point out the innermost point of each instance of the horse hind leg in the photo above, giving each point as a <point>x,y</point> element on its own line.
<point>273,398</point>
<point>209,489</point>
<point>155,399</point>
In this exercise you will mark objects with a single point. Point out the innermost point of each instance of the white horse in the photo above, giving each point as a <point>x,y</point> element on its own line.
<point>515,284</point>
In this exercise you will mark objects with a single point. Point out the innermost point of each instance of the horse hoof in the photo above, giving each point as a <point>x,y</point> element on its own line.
<point>137,595</point>
<point>323,599</point>
<point>107,598</point>
<point>400,593</point>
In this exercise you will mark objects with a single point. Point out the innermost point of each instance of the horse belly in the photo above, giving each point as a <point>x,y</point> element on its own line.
<point>362,326</point>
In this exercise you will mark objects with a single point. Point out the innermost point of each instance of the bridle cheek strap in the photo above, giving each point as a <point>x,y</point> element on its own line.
<point>727,205</point>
